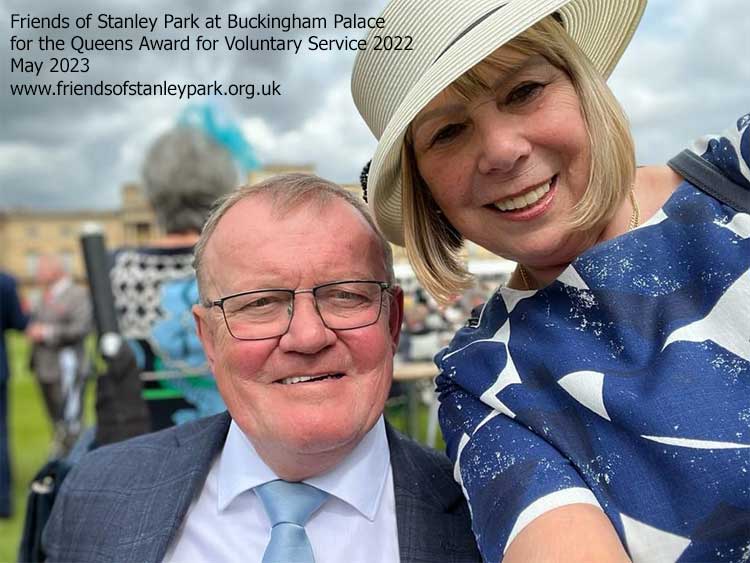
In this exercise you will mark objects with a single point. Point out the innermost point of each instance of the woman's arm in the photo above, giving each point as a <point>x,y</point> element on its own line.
<point>528,502</point>
<point>576,532</point>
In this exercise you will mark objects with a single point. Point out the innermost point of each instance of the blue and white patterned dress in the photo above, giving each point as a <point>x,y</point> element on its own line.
<point>624,384</point>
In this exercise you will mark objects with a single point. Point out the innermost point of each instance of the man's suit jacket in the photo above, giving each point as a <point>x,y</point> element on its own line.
<point>69,315</point>
<point>125,502</point>
<point>11,317</point>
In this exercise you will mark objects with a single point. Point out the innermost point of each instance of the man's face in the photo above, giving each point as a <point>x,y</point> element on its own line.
<point>254,248</point>
<point>48,270</point>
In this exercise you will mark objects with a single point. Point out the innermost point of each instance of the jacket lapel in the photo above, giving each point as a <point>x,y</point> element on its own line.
<point>196,450</point>
<point>431,514</point>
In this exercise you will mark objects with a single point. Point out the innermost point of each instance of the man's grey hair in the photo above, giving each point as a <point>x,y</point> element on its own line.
<point>287,192</point>
<point>183,174</point>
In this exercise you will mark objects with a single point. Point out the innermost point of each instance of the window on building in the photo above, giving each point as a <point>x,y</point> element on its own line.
<point>66,230</point>
<point>32,231</point>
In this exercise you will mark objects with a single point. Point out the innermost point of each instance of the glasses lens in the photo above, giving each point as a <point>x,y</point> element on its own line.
<point>260,314</point>
<point>349,305</point>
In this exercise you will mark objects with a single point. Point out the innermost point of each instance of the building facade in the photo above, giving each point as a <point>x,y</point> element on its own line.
<point>26,234</point>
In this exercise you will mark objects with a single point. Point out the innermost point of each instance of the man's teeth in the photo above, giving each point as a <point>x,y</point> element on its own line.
<point>521,201</point>
<point>303,378</point>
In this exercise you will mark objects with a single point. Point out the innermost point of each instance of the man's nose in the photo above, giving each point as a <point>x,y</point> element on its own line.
<point>307,333</point>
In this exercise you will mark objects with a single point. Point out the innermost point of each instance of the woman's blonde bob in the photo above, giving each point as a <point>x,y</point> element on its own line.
<point>434,246</point>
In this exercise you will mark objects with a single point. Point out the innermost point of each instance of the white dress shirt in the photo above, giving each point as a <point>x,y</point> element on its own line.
<point>227,521</point>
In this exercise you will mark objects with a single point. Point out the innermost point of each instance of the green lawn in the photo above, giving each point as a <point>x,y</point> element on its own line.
<point>30,436</point>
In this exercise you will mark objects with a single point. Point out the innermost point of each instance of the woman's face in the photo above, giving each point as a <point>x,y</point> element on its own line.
<point>507,166</point>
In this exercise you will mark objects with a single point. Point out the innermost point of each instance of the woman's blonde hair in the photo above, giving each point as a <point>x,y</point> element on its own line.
<point>434,246</point>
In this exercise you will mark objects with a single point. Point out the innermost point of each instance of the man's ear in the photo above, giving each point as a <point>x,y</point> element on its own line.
<point>396,315</point>
<point>204,328</point>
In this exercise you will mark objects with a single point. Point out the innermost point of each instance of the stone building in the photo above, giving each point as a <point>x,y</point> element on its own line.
<point>26,234</point>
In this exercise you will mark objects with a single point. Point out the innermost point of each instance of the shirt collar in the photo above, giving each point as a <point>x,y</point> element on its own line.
<point>359,480</point>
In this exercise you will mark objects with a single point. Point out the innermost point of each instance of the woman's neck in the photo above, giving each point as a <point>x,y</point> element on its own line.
<point>653,186</point>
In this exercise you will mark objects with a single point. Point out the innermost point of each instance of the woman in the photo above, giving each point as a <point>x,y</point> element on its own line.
<point>154,286</point>
<point>597,407</point>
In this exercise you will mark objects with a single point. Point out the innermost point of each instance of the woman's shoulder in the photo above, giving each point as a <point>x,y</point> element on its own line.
<point>728,151</point>
<point>156,262</point>
<point>654,185</point>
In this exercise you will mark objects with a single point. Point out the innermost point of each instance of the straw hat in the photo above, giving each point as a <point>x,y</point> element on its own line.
<point>390,87</point>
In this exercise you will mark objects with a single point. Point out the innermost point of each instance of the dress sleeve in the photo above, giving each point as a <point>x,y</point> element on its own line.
<point>729,151</point>
<point>509,474</point>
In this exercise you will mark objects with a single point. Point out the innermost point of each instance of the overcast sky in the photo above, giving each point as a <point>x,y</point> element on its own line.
<point>685,74</point>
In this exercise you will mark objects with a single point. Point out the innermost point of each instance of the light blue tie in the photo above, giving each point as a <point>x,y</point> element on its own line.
<point>289,507</point>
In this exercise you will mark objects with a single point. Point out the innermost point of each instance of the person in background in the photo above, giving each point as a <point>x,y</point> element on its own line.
<point>12,317</point>
<point>299,316</point>
<point>423,325</point>
<point>597,407</point>
<point>58,328</point>
<point>154,288</point>
<point>185,171</point>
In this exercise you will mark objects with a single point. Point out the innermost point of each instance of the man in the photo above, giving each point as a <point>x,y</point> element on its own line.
<point>12,317</point>
<point>58,329</point>
<point>304,368</point>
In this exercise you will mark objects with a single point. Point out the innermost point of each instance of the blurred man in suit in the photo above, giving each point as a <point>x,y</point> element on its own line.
<point>299,318</point>
<point>58,328</point>
<point>12,317</point>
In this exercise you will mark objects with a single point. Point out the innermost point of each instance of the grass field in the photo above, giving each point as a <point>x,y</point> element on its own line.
<point>30,439</point>
<point>31,435</point>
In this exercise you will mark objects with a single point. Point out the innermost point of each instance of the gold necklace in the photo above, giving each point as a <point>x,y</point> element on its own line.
<point>635,220</point>
<point>635,217</point>
<point>524,277</point>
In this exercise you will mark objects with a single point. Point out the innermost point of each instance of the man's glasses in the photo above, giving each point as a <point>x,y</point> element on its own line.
<point>267,313</point>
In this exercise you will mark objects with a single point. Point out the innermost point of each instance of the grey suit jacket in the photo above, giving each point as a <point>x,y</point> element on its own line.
<point>69,316</point>
<point>125,502</point>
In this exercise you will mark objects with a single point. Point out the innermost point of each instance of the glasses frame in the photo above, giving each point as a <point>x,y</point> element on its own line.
<point>384,288</point>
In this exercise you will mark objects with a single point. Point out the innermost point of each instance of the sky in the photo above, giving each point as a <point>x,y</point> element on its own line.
<point>685,74</point>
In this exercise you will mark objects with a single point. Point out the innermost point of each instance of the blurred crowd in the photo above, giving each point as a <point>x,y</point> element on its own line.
<point>428,327</point>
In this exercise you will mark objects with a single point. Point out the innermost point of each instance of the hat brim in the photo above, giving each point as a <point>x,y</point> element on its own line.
<point>601,28</point>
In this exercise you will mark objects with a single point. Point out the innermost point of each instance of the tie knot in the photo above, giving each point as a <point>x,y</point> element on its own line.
<point>290,502</point>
